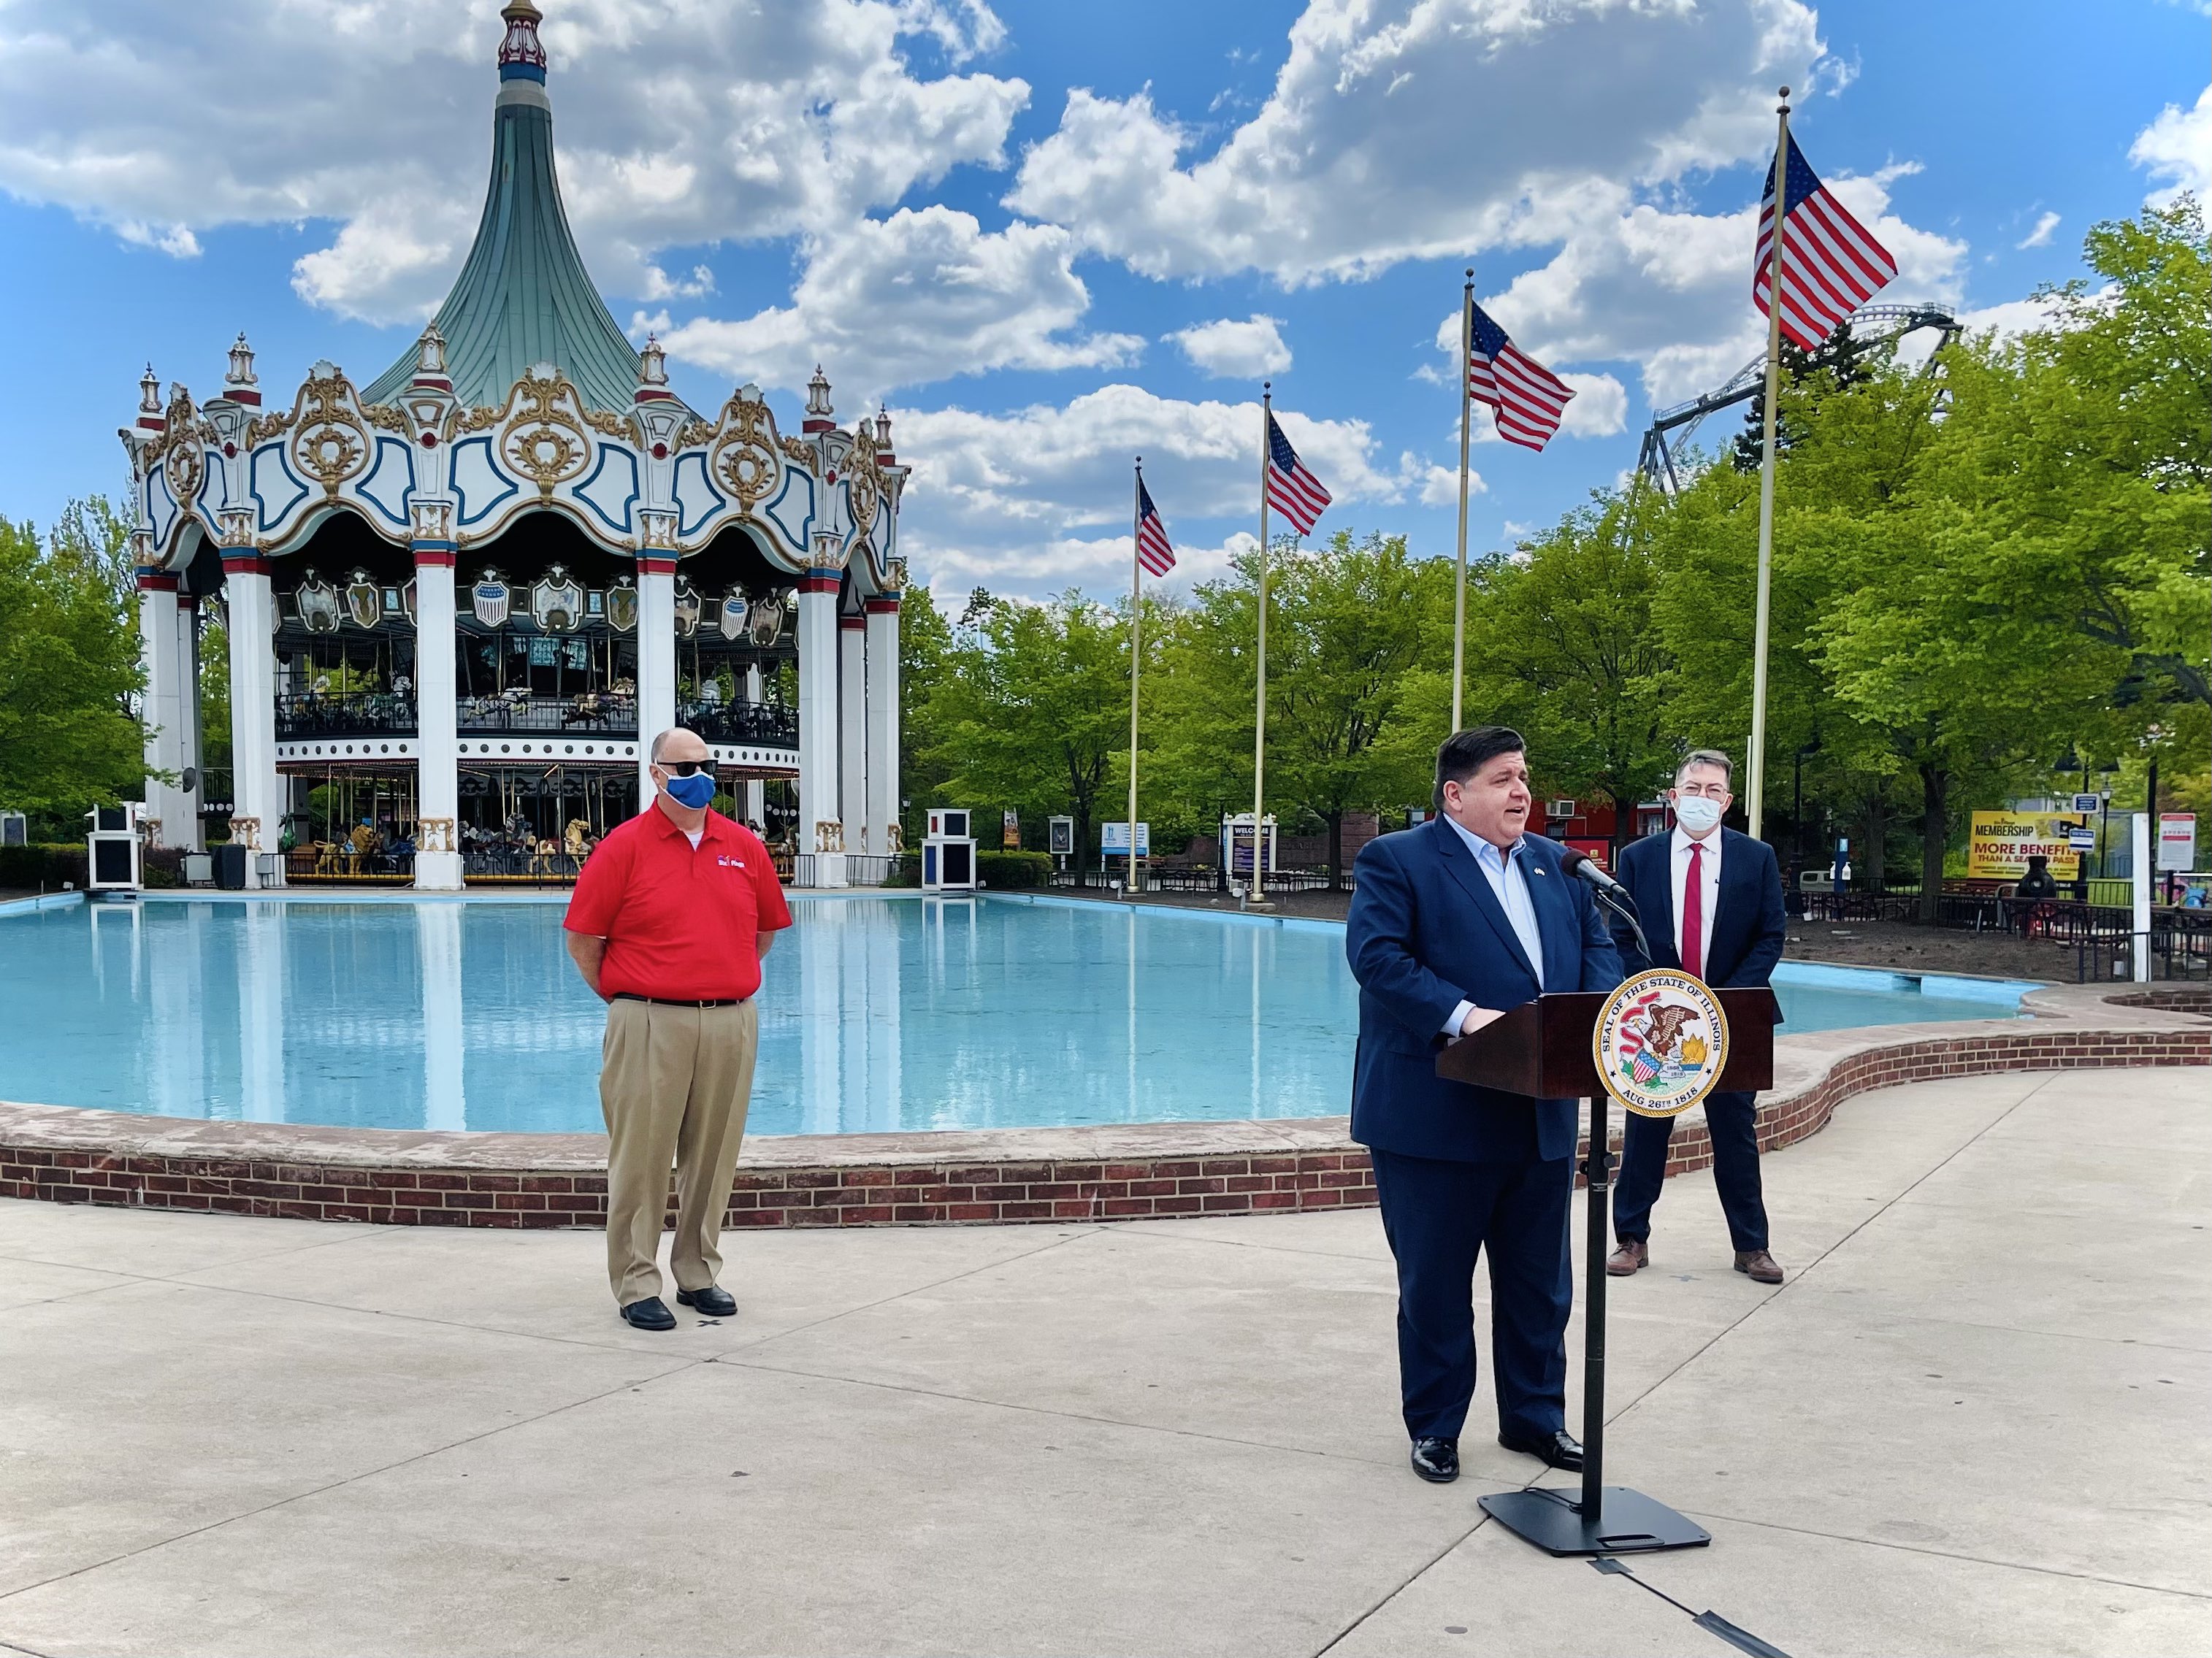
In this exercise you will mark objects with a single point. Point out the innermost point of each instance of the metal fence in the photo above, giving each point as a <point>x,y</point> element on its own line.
<point>519,863</point>
<point>347,715</point>
<point>1200,877</point>
<point>335,861</point>
<point>769,723</point>
<point>600,714</point>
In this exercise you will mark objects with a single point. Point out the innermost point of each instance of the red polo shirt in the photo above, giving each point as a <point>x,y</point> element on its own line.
<point>679,921</point>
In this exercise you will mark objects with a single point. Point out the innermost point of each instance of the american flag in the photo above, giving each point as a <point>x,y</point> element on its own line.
<point>1830,265</point>
<point>1527,398</point>
<point>1291,490</point>
<point>1152,549</point>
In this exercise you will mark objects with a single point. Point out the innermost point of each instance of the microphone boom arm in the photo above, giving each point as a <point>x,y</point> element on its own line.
<point>1620,905</point>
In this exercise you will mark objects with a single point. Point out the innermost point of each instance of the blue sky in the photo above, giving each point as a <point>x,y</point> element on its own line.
<point>1005,221</point>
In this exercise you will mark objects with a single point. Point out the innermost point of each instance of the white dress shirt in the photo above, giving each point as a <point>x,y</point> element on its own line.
<point>1709,871</point>
<point>1510,882</point>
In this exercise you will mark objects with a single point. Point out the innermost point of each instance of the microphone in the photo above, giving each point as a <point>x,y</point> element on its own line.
<point>1581,864</point>
<point>1610,893</point>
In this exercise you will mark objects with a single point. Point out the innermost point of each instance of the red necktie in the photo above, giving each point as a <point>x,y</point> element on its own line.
<point>1693,914</point>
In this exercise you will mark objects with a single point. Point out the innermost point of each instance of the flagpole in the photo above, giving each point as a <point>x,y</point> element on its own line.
<point>1136,623</point>
<point>1256,891</point>
<point>1755,762</point>
<point>1459,568</point>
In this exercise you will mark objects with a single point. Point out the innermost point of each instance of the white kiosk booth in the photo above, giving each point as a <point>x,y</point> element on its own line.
<point>112,850</point>
<point>948,851</point>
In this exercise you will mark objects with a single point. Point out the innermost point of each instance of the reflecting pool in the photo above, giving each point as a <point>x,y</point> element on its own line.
<point>878,1013</point>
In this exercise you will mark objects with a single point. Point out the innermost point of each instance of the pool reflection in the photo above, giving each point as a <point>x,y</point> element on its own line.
<point>878,1014</point>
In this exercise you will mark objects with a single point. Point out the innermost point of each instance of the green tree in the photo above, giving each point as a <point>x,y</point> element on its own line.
<point>924,652</point>
<point>1563,646</point>
<point>1033,710</point>
<point>1348,630</point>
<point>2084,451</point>
<point>69,672</point>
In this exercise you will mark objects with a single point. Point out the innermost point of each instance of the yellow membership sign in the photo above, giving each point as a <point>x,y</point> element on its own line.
<point>2002,842</point>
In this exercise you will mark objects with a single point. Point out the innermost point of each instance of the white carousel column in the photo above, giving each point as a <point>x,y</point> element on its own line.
<point>188,834</point>
<point>883,719</point>
<point>755,795</point>
<point>157,657</point>
<point>821,830</point>
<point>437,736</point>
<point>656,663</point>
<point>257,791</point>
<point>852,733</point>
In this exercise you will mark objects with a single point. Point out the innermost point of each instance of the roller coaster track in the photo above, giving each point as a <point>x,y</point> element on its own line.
<point>1877,324</point>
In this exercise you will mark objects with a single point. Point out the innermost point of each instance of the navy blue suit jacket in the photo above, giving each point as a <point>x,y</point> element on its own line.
<point>1746,931</point>
<point>1425,933</point>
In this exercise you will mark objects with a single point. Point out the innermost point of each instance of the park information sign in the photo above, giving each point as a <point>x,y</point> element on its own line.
<point>2002,842</point>
<point>2177,841</point>
<point>1114,839</point>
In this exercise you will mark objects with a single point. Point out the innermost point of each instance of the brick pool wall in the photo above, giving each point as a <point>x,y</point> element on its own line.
<point>389,1177</point>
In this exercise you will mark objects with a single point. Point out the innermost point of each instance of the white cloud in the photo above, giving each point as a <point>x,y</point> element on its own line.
<point>1670,291</point>
<point>1440,485</point>
<point>1600,407</point>
<point>2176,149</point>
<point>1348,167</point>
<point>1229,349</point>
<point>923,295</point>
<point>2041,236</point>
<point>1010,494</point>
<point>679,124</point>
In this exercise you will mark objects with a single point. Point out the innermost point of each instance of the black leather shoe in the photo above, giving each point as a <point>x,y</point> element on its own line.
<point>714,1301</point>
<point>651,1314</point>
<point>1437,1461</point>
<point>1561,1450</point>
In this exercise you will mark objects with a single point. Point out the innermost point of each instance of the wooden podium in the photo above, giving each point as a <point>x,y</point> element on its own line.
<point>1543,1049</point>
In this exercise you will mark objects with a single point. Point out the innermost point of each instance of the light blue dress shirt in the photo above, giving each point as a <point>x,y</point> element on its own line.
<point>1510,882</point>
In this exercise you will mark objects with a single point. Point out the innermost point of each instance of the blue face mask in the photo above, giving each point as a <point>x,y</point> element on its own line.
<point>694,791</point>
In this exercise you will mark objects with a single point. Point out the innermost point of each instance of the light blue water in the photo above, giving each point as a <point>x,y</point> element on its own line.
<point>878,1014</point>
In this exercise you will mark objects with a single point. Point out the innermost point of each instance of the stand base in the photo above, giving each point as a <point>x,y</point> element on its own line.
<point>1631,1523</point>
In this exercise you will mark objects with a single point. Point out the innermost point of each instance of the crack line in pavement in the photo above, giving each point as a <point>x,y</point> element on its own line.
<point>466,1439</point>
<point>1247,1243</point>
<point>334,1484</point>
<point>1952,1554</point>
<point>1754,1311</point>
<point>1403,1584</point>
<point>1045,1410</point>
<point>935,1284</point>
<point>592,1343</point>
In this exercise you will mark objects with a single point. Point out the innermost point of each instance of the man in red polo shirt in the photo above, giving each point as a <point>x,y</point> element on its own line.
<point>668,925</point>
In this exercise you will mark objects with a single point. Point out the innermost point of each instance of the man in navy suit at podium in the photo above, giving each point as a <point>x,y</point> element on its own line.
<point>1710,899</point>
<point>1454,923</point>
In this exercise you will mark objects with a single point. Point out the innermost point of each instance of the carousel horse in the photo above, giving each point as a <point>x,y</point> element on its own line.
<point>326,857</point>
<point>541,854</point>
<point>577,839</point>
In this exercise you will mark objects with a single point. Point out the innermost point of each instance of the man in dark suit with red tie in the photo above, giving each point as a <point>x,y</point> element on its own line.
<point>1710,901</point>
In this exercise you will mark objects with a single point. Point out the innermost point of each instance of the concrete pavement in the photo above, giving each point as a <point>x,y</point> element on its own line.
<point>1975,1420</point>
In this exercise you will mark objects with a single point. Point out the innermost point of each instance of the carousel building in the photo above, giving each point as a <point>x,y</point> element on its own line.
<point>464,598</point>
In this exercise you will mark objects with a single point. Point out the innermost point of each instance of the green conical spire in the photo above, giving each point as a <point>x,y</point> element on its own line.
<point>524,296</point>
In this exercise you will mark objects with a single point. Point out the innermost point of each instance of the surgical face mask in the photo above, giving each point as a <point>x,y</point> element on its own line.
<point>694,791</point>
<point>1697,816</point>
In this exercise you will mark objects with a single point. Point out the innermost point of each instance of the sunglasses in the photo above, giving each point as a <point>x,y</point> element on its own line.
<point>685,768</point>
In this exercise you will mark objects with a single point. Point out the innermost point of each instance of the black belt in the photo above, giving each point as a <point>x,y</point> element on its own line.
<point>702,1001</point>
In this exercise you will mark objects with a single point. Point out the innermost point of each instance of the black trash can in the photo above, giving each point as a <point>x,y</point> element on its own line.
<point>230,865</point>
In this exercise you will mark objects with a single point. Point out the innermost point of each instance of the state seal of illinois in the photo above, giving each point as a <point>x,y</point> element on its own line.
<point>1660,1041</point>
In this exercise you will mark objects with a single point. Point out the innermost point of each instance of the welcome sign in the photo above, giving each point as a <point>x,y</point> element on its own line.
<point>2001,843</point>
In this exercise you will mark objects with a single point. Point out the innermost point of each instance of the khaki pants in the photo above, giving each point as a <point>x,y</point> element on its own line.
<point>674,1083</point>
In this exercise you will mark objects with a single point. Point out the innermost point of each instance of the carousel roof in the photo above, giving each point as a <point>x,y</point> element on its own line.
<point>523,296</point>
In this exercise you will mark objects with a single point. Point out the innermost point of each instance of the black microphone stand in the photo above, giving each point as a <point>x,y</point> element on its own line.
<point>1598,1520</point>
